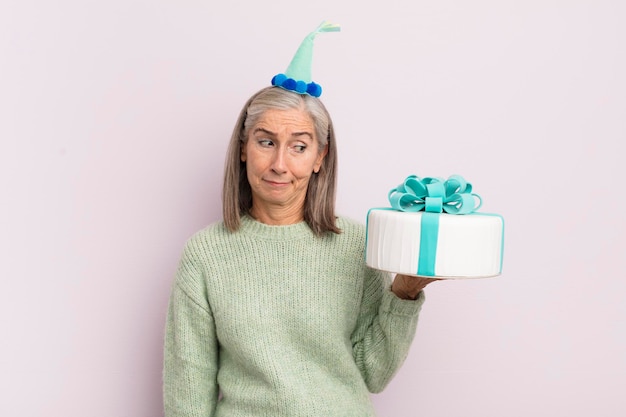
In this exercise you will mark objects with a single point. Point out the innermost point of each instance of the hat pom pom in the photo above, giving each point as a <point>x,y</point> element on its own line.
<point>314,89</point>
<point>279,79</point>
<point>300,87</point>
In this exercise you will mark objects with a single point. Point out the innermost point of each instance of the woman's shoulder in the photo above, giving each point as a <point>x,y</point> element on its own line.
<point>216,228</point>
<point>349,222</point>
<point>209,235</point>
<point>350,226</point>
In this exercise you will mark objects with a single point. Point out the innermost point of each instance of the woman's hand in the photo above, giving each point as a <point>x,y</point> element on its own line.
<point>408,287</point>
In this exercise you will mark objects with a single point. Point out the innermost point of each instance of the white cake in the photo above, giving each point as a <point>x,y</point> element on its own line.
<point>435,245</point>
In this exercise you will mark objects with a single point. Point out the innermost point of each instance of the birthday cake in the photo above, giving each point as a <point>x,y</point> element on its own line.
<point>432,229</point>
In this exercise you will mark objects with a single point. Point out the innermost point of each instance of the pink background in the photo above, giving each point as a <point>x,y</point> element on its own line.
<point>114,121</point>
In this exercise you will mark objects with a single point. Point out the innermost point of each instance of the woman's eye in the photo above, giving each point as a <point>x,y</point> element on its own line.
<point>299,148</point>
<point>266,143</point>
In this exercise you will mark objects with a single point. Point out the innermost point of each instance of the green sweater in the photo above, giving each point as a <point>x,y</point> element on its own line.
<point>274,321</point>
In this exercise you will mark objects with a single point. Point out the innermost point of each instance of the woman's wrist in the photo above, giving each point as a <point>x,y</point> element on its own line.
<point>404,288</point>
<point>408,287</point>
<point>405,295</point>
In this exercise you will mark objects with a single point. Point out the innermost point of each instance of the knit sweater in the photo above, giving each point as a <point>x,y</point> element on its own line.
<point>274,321</point>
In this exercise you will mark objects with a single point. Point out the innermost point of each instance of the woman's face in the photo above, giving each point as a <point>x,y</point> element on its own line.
<point>281,153</point>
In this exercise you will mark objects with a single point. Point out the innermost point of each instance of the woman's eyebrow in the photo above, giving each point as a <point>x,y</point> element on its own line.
<point>298,134</point>
<point>267,132</point>
<point>294,134</point>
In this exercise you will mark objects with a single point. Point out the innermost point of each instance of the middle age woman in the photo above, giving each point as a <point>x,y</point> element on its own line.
<point>274,306</point>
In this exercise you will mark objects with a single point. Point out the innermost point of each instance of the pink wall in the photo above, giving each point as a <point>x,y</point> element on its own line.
<point>114,121</point>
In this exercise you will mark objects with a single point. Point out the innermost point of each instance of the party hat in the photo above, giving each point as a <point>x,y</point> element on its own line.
<point>297,77</point>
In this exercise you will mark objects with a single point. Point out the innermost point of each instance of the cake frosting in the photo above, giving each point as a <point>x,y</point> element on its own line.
<point>433,230</point>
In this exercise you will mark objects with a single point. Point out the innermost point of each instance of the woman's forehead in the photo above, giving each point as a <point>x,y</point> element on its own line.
<point>290,120</point>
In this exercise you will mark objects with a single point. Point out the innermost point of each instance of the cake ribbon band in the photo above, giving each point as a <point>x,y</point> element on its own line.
<point>433,196</point>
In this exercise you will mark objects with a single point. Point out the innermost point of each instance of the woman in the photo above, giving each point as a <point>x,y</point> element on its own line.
<point>273,311</point>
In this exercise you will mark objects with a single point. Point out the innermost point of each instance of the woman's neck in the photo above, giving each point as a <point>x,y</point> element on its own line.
<point>277,215</point>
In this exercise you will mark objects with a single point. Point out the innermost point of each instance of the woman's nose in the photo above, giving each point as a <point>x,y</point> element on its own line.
<point>279,161</point>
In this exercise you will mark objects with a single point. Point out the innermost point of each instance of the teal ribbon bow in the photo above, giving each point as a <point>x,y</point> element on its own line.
<point>434,195</point>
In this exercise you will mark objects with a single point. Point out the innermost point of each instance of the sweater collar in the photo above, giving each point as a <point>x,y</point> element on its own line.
<point>252,227</point>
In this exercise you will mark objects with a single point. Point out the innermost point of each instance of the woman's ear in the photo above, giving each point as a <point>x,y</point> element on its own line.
<point>320,158</point>
<point>243,152</point>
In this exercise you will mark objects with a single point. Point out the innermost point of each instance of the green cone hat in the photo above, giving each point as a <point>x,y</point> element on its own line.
<point>297,77</point>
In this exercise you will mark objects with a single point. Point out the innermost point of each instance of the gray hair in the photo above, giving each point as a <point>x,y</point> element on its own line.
<point>319,205</point>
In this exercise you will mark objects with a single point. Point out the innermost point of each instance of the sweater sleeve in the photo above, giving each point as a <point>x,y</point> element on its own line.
<point>191,352</point>
<point>385,330</point>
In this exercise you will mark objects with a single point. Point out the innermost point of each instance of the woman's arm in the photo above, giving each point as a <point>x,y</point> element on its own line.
<point>191,352</point>
<point>385,330</point>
